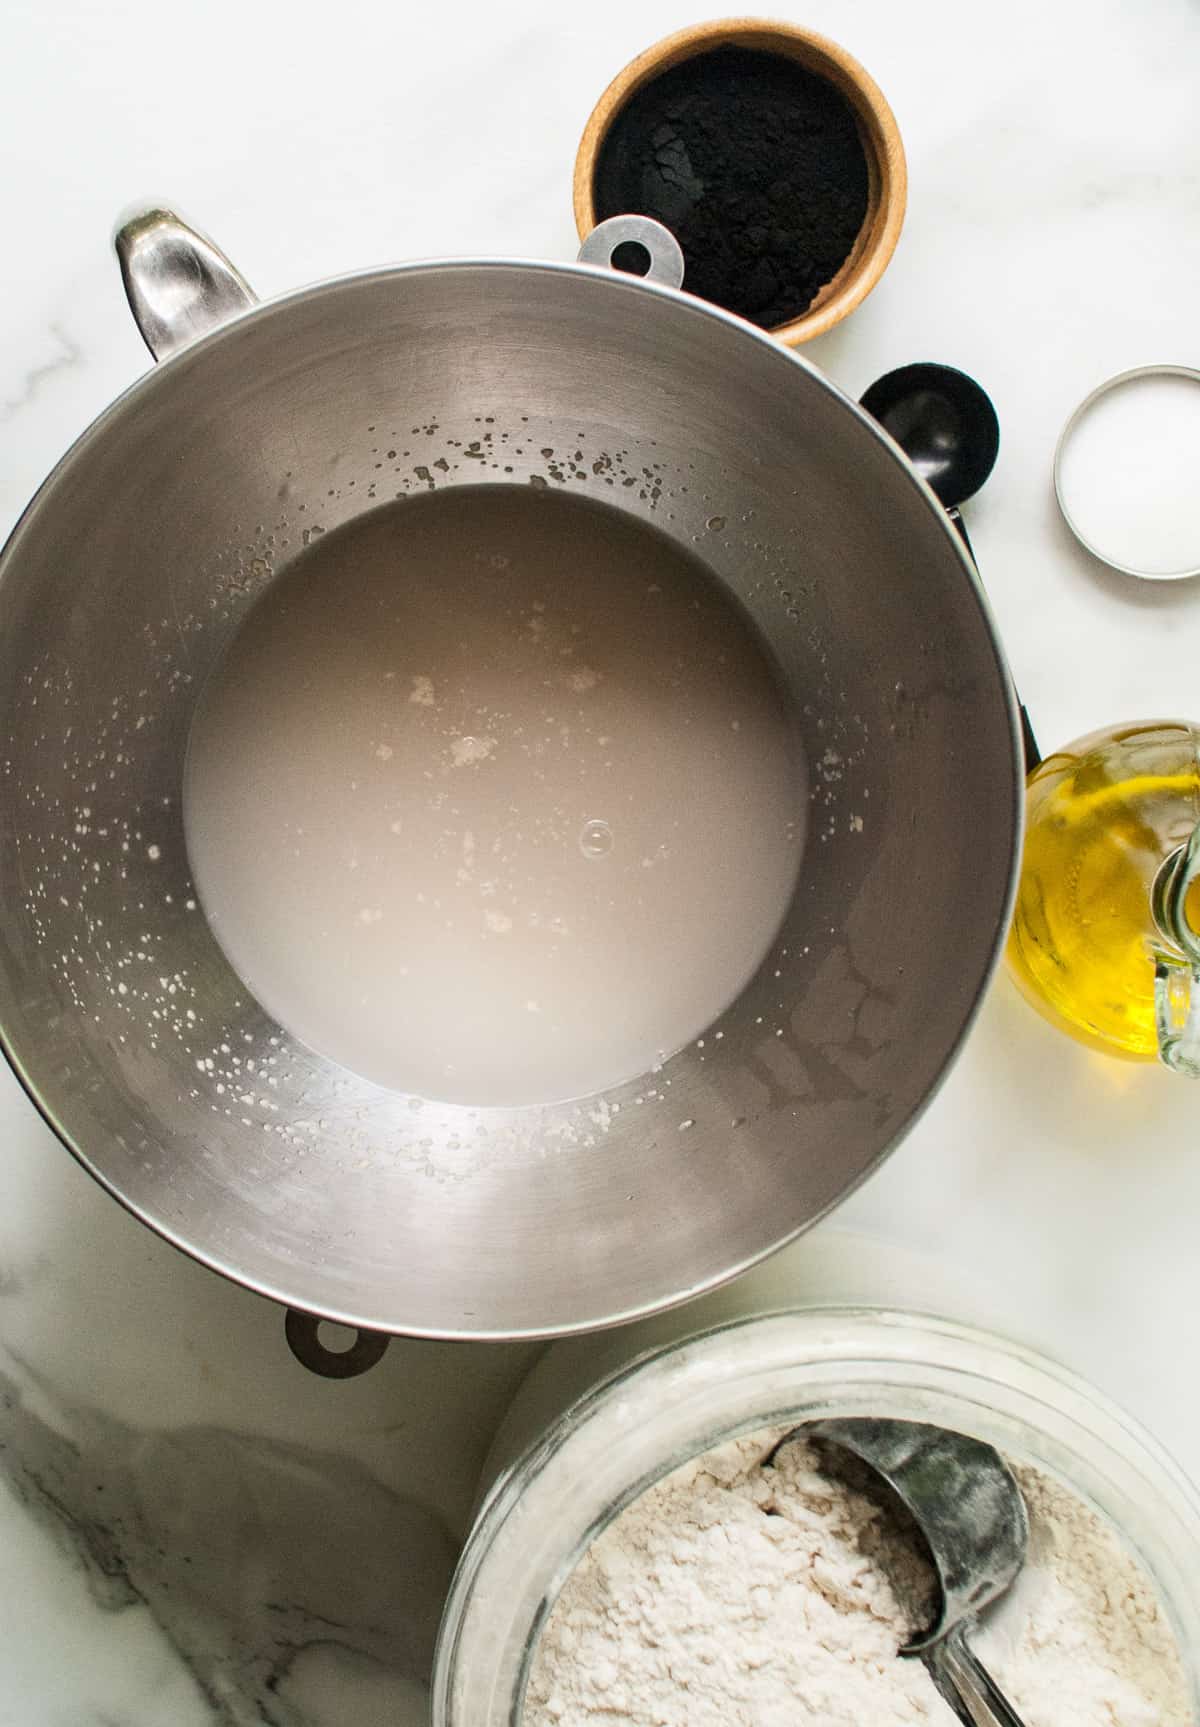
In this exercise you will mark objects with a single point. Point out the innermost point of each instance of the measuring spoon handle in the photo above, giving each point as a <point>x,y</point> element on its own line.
<point>1028,741</point>
<point>954,1666</point>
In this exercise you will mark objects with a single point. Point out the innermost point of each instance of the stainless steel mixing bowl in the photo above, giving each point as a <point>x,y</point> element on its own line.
<point>135,564</point>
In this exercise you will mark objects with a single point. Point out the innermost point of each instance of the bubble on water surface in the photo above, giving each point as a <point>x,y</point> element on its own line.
<point>595,839</point>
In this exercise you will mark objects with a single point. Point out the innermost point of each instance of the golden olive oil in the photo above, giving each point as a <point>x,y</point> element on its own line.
<point>1101,818</point>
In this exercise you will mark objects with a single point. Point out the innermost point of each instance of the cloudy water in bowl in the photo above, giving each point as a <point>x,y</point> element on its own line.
<point>495,797</point>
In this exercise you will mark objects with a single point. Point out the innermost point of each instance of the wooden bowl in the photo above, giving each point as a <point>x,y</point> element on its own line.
<point>887,175</point>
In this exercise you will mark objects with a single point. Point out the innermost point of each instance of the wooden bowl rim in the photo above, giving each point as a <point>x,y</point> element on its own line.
<point>881,138</point>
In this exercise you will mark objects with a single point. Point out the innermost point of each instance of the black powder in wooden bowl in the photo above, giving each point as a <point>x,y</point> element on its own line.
<point>757,167</point>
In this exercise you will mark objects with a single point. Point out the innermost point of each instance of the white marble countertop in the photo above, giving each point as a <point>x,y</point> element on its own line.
<point>193,1530</point>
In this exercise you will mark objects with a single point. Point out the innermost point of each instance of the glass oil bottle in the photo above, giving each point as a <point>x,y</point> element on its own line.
<point>1105,939</point>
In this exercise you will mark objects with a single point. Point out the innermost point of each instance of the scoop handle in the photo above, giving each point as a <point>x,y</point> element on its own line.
<point>1033,755</point>
<point>954,1665</point>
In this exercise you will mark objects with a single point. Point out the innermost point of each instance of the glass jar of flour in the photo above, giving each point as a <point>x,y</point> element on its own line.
<point>597,1455</point>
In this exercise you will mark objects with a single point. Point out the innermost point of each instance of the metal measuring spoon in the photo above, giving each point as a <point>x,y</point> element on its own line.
<point>947,427</point>
<point>968,1506</point>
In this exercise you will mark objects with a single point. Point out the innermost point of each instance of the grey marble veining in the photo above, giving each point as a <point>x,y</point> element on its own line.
<point>65,354</point>
<point>270,1571</point>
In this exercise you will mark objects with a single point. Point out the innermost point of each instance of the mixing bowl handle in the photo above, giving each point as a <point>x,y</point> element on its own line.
<point>179,285</point>
<point>651,245</point>
<point>302,1331</point>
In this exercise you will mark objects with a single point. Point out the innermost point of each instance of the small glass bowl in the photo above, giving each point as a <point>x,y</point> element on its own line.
<point>674,1404</point>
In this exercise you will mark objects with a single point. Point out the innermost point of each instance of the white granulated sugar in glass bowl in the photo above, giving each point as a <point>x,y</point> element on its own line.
<point>773,1593</point>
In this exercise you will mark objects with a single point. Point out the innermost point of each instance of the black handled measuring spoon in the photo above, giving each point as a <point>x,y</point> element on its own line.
<point>947,427</point>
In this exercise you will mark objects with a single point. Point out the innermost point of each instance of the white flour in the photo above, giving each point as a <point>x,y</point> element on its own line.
<point>738,1595</point>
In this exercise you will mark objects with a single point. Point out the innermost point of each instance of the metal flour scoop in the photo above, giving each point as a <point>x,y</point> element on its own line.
<point>969,1508</point>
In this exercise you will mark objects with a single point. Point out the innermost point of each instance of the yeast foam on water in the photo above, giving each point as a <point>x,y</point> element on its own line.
<point>495,797</point>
